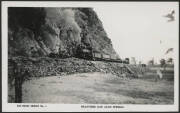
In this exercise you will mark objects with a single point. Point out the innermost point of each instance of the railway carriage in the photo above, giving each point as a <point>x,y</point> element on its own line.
<point>89,54</point>
<point>105,56</point>
<point>97,55</point>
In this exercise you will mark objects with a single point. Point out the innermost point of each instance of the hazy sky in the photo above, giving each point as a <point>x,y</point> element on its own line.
<point>136,28</point>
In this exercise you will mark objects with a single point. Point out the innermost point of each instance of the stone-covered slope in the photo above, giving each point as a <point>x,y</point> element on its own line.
<point>41,31</point>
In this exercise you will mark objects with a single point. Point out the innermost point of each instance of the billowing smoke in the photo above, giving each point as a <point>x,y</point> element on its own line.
<point>70,23</point>
<point>64,19</point>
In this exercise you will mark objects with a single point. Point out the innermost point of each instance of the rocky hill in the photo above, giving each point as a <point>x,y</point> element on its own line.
<point>41,31</point>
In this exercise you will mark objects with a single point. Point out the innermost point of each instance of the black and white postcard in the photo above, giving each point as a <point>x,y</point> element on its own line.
<point>90,56</point>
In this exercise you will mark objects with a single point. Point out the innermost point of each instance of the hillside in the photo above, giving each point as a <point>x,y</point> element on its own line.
<point>41,31</point>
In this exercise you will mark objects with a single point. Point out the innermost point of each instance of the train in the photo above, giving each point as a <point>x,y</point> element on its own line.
<point>90,54</point>
<point>105,57</point>
<point>109,58</point>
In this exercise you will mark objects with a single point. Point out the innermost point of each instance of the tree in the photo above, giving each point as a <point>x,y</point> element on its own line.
<point>163,63</point>
<point>127,60</point>
<point>170,60</point>
<point>151,62</point>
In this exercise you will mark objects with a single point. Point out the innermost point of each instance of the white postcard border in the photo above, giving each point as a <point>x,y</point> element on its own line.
<point>12,107</point>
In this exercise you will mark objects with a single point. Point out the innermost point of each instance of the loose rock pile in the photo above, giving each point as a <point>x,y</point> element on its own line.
<point>44,66</point>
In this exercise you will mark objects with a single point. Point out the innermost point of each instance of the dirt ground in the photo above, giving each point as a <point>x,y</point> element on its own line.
<point>97,88</point>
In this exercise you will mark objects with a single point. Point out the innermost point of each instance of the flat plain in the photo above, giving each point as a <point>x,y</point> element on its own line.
<point>97,88</point>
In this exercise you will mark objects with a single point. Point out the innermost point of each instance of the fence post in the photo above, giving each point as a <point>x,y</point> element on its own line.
<point>18,89</point>
<point>19,77</point>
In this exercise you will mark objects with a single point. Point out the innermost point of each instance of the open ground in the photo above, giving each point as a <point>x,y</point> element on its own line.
<point>97,88</point>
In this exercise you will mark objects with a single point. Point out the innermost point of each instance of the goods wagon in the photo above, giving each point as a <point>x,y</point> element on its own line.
<point>97,55</point>
<point>89,54</point>
<point>105,56</point>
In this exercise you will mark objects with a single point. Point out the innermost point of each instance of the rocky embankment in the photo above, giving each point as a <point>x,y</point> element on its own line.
<point>44,66</point>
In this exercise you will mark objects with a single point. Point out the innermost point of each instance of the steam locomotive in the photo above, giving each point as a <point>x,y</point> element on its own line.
<point>86,52</point>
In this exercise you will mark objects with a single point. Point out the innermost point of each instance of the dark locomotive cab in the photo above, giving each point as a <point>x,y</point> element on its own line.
<point>85,51</point>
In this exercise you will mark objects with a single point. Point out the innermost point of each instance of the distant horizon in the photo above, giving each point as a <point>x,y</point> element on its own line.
<point>139,29</point>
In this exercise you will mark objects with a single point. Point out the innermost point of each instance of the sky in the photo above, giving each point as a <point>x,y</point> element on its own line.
<point>138,29</point>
